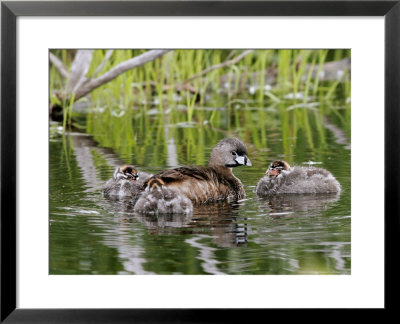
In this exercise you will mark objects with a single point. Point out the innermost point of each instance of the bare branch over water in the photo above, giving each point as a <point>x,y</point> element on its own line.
<point>58,65</point>
<point>80,85</point>
<point>139,60</point>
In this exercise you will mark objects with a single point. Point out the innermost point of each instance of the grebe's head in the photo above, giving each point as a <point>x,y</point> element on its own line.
<point>230,153</point>
<point>126,172</point>
<point>276,167</point>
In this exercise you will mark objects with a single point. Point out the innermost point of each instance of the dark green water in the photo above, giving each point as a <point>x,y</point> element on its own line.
<point>282,235</point>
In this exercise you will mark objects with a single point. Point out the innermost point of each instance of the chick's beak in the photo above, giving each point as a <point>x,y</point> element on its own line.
<point>272,173</point>
<point>133,177</point>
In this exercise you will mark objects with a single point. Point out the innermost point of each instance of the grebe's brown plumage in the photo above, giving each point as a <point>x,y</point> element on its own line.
<point>205,184</point>
<point>201,184</point>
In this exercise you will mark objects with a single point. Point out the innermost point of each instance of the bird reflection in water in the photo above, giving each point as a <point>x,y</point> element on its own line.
<point>221,220</point>
<point>287,205</point>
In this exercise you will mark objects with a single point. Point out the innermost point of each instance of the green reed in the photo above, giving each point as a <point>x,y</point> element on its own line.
<point>141,106</point>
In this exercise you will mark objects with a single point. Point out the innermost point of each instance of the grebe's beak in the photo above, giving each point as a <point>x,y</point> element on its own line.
<point>132,176</point>
<point>247,161</point>
<point>243,160</point>
<point>272,173</point>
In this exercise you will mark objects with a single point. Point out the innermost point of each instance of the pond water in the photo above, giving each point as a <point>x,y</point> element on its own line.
<point>286,234</point>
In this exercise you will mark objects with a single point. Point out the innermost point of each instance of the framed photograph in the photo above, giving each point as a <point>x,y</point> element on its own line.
<point>190,161</point>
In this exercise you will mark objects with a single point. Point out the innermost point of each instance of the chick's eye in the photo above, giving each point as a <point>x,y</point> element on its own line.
<point>234,153</point>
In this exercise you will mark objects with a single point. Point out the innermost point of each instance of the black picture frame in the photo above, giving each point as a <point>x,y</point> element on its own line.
<point>10,10</point>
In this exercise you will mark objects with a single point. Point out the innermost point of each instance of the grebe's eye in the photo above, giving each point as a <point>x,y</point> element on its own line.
<point>234,153</point>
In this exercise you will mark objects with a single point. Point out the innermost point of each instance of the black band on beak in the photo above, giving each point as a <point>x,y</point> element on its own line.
<point>242,160</point>
<point>247,161</point>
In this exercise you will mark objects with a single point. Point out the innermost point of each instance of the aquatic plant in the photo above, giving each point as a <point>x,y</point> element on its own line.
<point>230,92</point>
